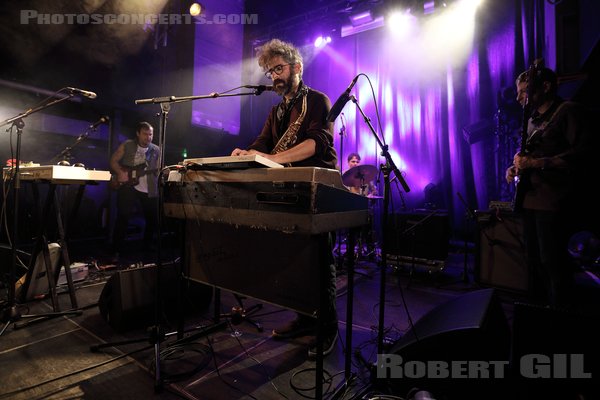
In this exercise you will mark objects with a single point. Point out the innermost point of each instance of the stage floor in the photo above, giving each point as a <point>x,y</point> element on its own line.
<point>52,359</point>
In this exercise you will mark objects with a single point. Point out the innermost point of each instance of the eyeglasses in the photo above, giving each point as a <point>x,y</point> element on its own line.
<point>278,69</point>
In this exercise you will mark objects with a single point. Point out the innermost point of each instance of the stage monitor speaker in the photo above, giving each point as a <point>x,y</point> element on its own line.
<point>500,252</point>
<point>471,327</point>
<point>468,327</point>
<point>128,297</point>
<point>421,234</point>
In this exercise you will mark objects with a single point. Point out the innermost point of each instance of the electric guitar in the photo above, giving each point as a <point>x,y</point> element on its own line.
<point>522,182</point>
<point>133,176</point>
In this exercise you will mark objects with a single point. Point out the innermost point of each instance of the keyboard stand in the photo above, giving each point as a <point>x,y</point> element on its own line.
<point>41,245</point>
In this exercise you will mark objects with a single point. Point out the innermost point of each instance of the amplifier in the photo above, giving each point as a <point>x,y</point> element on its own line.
<point>500,259</point>
<point>421,234</point>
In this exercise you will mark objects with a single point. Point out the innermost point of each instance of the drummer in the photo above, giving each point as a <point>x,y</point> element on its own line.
<point>366,244</point>
<point>368,189</point>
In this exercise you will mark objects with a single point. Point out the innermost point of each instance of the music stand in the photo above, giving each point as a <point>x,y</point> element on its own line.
<point>11,313</point>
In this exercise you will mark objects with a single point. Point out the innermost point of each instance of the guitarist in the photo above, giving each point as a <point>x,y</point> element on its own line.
<point>556,157</point>
<point>141,156</point>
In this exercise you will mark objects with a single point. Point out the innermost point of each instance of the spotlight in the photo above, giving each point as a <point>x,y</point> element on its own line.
<point>401,23</point>
<point>195,9</point>
<point>322,41</point>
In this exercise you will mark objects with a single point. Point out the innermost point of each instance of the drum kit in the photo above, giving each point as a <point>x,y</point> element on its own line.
<point>357,176</point>
<point>358,179</point>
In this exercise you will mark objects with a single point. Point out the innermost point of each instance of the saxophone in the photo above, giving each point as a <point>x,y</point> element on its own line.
<point>289,138</point>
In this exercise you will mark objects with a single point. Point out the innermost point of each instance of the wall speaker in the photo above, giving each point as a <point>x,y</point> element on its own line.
<point>128,297</point>
<point>422,234</point>
<point>500,259</point>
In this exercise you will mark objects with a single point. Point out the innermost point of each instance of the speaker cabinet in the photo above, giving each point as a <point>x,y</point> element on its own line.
<point>128,297</point>
<point>471,327</point>
<point>422,234</point>
<point>500,259</point>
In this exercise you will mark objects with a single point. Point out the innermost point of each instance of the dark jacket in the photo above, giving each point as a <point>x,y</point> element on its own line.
<point>313,127</point>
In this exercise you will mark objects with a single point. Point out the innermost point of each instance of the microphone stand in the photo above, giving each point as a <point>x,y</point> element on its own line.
<point>65,154</point>
<point>156,333</point>
<point>387,168</point>
<point>172,99</point>
<point>342,134</point>
<point>340,258</point>
<point>12,313</point>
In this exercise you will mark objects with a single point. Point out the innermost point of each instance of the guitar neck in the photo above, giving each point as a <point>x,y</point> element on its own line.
<point>524,129</point>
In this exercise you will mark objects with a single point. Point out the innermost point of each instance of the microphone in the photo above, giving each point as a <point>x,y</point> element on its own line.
<point>102,120</point>
<point>341,102</point>
<point>84,93</point>
<point>260,88</point>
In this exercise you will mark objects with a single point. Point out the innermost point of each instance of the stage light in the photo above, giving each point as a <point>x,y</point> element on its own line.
<point>401,23</point>
<point>322,41</point>
<point>195,9</point>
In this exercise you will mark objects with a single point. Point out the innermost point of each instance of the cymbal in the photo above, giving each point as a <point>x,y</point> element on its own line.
<point>359,175</point>
<point>375,197</point>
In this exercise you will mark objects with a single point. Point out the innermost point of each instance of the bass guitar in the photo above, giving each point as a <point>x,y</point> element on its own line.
<point>134,174</point>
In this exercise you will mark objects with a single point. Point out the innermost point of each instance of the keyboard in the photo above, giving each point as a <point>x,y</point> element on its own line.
<point>230,162</point>
<point>59,174</point>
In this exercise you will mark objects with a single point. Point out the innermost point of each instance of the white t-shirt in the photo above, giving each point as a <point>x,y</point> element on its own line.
<point>140,158</point>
